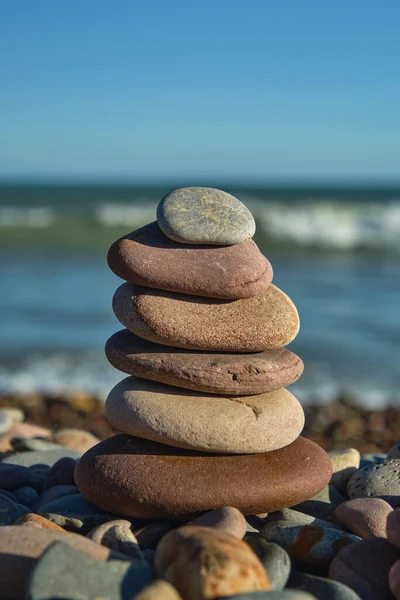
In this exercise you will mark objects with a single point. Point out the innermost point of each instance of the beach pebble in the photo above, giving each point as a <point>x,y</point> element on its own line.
<point>44,457</point>
<point>232,374</point>
<point>377,481</point>
<point>192,420</point>
<point>21,430</point>
<point>364,567</point>
<point>10,511</point>
<point>321,588</point>
<point>6,422</point>
<point>26,495</point>
<point>17,415</point>
<point>122,475</point>
<point>226,518</point>
<point>148,257</point>
<point>344,463</point>
<point>118,536</point>
<point>201,215</point>
<point>21,546</point>
<point>39,473</point>
<point>13,476</point>
<point>26,444</point>
<point>394,580</point>
<point>377,458</point>
<point>150,534</point>
<point>203,562</point>
<point>323,504</point>
<point>309,546</point>
<point>289,517</point>
<point>274,559</point>
<point>61,473</point>
<point>65,572</point>
<point>74,513</point>
<point>77,439</point>
<point>274,595</point>
<point>366,517</point>
<point>34,520</point>
<point>394,452</point>
<point>9,495</point>
<point>53,493</point>
<point>267,321</point>
<point>393,527</point>
<point>159,590</point>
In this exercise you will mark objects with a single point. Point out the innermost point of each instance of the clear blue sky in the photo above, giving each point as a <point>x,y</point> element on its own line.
<point>201,88</point>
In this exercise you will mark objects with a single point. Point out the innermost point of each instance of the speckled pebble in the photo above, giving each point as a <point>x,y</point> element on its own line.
<point>323,504</point>
<point>308,545</point>
<point>366,517</point>
<point>377,481</point>
<point>64,572</point>
<point>10,512</point>
<point>201,215</point>
<point>227,518</point>
<point>74,513</point>
<point>274,559</point>
<point>344,463</point>
<point>118,536</point>
<point>321,588</point>
<point>26,495</point>
<point>13,476</point>
<point>6,422</point>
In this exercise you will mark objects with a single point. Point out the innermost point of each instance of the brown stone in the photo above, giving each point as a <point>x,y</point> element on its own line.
<point>148,257</point>
<point>226,519</point>
<point>134,477</point>
<point>77,439</point>
<point>20,547</point>
<point>366,517</point>
<point>263,322</point>
<point>199,421</point>
<point>232,374</point>
<point>204,563</point>
<point>38,521</point>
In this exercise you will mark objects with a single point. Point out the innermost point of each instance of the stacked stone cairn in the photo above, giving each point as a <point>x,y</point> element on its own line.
<point>204,416</point>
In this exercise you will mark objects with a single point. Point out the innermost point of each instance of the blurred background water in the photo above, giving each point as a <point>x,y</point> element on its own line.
<point>335,251</point>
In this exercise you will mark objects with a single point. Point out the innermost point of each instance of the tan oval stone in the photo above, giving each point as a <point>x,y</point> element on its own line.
<point>192,420</point>
<point>227,518</point>
<point>134,477</point>
<point>77,439</point>
<point>148,257</point>
<point>263,322</point>
<point>203,563</point>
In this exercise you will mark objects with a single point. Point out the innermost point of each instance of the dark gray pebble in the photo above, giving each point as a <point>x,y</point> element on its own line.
<point>13,476</point>
<point>61,473</point>
<point>26,495</point>
<point>10,512</point>
<point>74,513</point>
<point>320,587</point>
<point>274,559</point>
<point>53,493</point>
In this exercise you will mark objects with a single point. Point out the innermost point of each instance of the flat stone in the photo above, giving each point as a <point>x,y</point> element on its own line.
<point>264,322</point>
<point>13,476</point>
<point>379,480</point>
<point>34,520</point>
<point>202,562</point>
<point>61,473</point>
<point>6,422</point>
<point>226,518</point>
<point>22,444</point>
<point>77,439</point>
<point>311,547</point>
<point>148,257</point>
<point>364,567</point>
<point>54,493</point>
<point>232,374</point>
<point>122,475</point>
<point>321,588</point>
<point>344,463</point>
<point>291,517</point>
<point>323,504</point>
<point>64,572</point>
<point>201,215</point>
<point>211,423</point>
<point>159,590</point>
<point>366,517</point>
<point>22,546</point>
<point>26,495</point>
<point>394,580</point>
<point>393,527</point>
<point>43,457</point>
<point>74,513</point>
<point>274,559</point>
<point>10,511</point>
<point>118,536</point>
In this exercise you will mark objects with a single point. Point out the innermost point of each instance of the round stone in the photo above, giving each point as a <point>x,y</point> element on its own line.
<point>192,420</point>
<point>394,580</point>
<point>9,511</point>
<point>232,374</point>
<point>377,480</point>
<point>226,518</point>
<point>393,527</point>
<point>54,493</point>
<point>274,559</point>
<point>345,463</point>
<point>77,439</point>
<point>201,562</point>
<point>365,517</point>
<point>254,324</point>
<point>148,257</point>
<point>27,496</point>
<point>118,536</point>
<point>159,590</point>
<point>201,215</point>
<point>13,476</point>
<point>61,473</point>
<point>134,477</point>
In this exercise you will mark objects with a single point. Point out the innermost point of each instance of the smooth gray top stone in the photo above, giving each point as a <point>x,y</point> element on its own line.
<point>201,215</point>
<point>64,572</point>
<point>378,480</point>
<point>43,457</point>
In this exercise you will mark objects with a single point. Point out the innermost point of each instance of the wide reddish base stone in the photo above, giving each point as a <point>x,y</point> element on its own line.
<point>134,477</point>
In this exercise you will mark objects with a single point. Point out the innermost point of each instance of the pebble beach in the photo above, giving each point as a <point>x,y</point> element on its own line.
<point>202,476</point>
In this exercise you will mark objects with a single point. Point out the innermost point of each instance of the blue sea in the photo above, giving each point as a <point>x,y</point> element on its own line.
<point>335,251</point>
